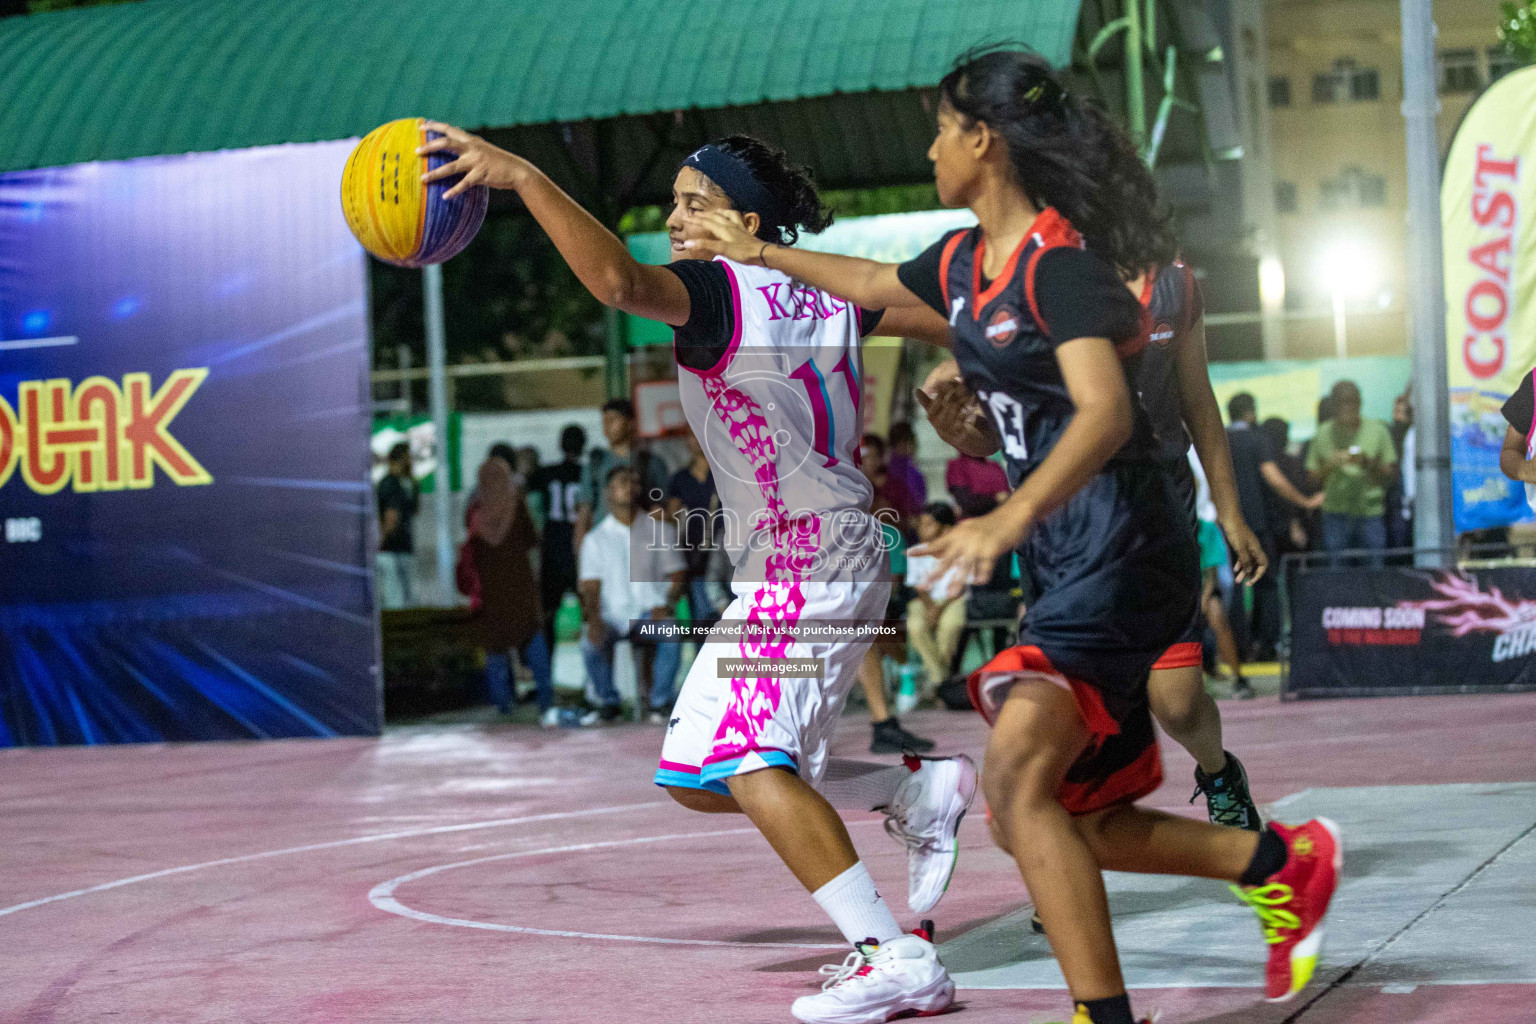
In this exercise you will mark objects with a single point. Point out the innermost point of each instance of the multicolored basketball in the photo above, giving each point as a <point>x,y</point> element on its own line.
<point>395,216</point>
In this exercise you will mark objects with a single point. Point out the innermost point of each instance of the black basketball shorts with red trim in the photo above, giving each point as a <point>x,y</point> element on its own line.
<point>1113,566</point>
<point>1188,649</point>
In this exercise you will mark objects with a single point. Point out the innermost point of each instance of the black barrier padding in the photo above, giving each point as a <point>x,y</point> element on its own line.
<point>1380,631</point>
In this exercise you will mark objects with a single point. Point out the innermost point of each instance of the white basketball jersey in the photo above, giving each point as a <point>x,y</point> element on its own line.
<point>780,419</point>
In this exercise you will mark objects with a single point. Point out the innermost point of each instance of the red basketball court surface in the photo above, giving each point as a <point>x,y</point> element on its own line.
<point>470,873</point>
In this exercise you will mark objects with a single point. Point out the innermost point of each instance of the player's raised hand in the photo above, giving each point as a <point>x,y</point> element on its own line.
<point>728,236</point>
<point>480,162</point>
<point>1248,558</point>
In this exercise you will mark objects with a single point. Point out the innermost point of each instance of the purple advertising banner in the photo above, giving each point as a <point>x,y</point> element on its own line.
<point>184,419</point>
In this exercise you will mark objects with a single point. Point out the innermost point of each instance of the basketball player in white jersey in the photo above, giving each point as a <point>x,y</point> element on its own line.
<point>770,378</point>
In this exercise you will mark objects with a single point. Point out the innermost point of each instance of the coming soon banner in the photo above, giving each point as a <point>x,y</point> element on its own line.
<point>1488,212</point>
<point>184,419</point>
<point>1374,632</point>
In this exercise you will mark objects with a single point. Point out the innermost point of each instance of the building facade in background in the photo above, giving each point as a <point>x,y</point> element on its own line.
<point>1334,111</point>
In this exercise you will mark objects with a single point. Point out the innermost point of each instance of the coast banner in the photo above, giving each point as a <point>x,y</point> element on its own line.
<point>1488,215</point>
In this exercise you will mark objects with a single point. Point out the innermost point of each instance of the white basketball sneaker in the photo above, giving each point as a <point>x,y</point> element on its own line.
<point>925,818</point>
<point>879,982</point>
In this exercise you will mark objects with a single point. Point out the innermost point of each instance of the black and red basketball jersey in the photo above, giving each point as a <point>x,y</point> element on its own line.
<point>1005,332</point>
<point>1116,566</point>
<point>1174,307</point>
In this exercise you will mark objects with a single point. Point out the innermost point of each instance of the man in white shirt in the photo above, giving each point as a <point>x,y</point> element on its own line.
<point>630,568</point>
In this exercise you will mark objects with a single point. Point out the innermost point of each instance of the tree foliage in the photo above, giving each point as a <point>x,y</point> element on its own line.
<point>1517,28</point>
<point>508,296</point>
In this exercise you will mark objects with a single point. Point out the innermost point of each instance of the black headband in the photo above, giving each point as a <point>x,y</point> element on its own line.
<point>737,181</point>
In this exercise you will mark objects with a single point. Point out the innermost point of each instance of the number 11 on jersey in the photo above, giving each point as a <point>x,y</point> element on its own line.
<point>809,375</point>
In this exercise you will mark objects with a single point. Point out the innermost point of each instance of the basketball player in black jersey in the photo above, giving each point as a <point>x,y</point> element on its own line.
<point>1174,386</point>
<point>1040,321</point>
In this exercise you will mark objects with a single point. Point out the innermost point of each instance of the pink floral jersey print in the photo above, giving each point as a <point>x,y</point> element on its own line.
<point>778,600</point>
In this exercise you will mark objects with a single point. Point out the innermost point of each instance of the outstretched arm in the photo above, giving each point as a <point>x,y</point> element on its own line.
<point>596,255</point>
<point>871,284</point>
<point>918,322</point>
<point>1202,415</point>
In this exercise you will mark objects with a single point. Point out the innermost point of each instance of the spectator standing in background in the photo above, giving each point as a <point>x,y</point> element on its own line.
<point>399,500</point>
<point>501,535</point>
<point>1291,527</point>
<point>977,485</point>
<point>936,613</point>
<point>1253,462</point>
<point>691,504</point>
<point>1353,459</point>
<point>516,460</point>
<point>558,486</point>
<point>906,489</point>
<point>613,596</point>
<point>619,431</point>
<point>525,463</point>
<point>465,574</point>
<point>1398,502</point>
<point>1324,414</point>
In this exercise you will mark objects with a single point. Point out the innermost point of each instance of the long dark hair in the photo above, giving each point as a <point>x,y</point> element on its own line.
<point>798,204</point>
<point>1065,153</point>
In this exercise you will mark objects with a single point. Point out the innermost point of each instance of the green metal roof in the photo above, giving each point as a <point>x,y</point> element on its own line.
<point>173,76</point>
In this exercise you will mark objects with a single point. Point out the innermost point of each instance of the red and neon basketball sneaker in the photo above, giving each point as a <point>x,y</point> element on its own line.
<point>1292,903</point>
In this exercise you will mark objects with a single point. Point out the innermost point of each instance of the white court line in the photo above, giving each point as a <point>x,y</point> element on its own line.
<point>356,840</point>
<point>6,346</point>
<point>382,896</point>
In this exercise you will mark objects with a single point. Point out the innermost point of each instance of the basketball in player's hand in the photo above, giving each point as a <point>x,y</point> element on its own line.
<point>392,212</point>
<point>956,413</point>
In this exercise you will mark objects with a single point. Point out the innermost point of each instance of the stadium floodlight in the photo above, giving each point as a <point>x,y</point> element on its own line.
<point>1271,283</point>
<point>1349,270</point>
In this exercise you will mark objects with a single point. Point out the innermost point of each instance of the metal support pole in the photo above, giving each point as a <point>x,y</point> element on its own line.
<point>403,352</point>
<point>1340,325</point>
<point>1135,87</point>
<point>616,372</point>
<point>1432,523</point>
<point>437,397</point>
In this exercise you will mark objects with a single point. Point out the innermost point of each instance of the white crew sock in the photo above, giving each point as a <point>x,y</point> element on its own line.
<point>860,785</point>
<point>852,903</point>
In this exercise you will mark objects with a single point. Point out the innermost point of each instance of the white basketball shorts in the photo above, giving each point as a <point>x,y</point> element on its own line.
<point>746,722</point>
